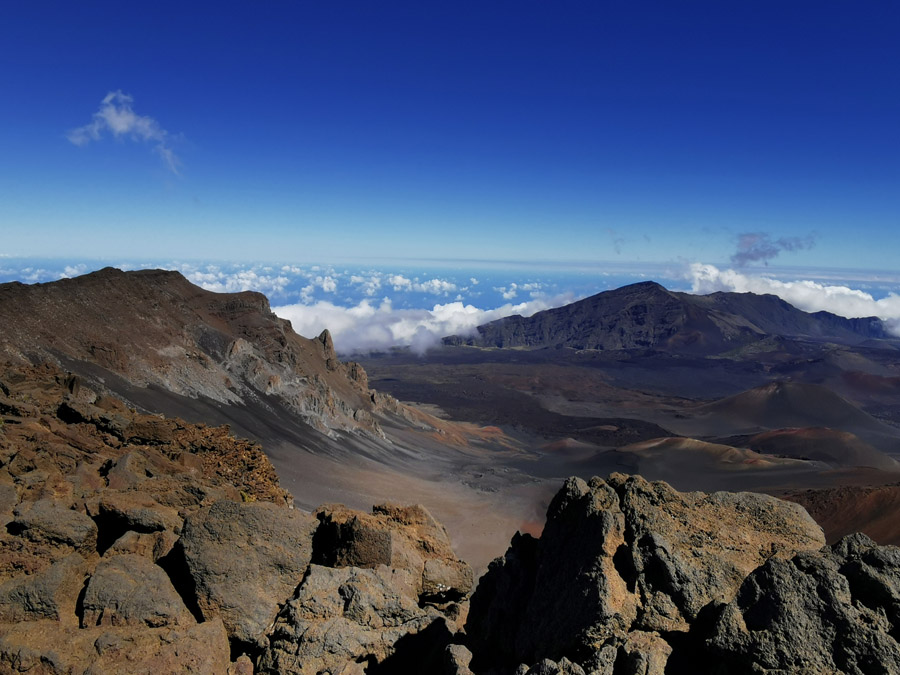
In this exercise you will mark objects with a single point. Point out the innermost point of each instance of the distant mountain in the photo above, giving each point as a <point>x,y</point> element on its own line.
<point>647,316</point>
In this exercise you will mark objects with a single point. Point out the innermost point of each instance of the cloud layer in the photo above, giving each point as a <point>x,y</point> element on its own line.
<point>368,327</point>
<point>810,296</point>
<point>117,117</point>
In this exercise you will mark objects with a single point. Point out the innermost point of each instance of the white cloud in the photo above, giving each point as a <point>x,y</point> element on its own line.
<point>70,271</point>
<point>507,293</point>
<point>433,286</point>
<point>810,296</point>
<point>117,117</point>
<point>370,284</point>
<point>399,282</point>
<point>366,327</point>
<point>212,278</point>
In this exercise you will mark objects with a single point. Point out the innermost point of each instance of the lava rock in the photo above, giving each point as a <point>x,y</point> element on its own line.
<point>48,521</point>
<point>245,560</point>
<point>49,594</point>
<point>834,610</point>
<point>620,559</point>
<point>349,615</point>
<point>129,590</point>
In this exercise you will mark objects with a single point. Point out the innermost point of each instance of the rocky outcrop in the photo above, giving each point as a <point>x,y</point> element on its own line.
<point>130,590</point>
<point>50,648</point>
<point>621,566</point>
<point>402,537</point>
<point>140,544</point>
<point>95,496</point>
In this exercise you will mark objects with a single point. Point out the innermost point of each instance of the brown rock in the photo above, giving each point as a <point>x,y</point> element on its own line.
<point>346,616</point>
<point>49,594</point>
<point>403,537</point>
<point>47,521</point>
<point>152,545</point>
<point>49,648</point>
<point>241,666</point>
<point>139,512</point>
<point>643,654</point>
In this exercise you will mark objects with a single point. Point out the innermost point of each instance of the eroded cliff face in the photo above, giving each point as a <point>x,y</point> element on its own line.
<point>155,328</point>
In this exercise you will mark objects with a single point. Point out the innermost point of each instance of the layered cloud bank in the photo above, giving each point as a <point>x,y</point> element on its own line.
<point>810,296</point>
<point>368,327</point>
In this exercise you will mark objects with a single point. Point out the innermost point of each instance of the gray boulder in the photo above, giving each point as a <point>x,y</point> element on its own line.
<point>341,618</point>
<point>831,611</point>
<point>130,590</point>
<point>49,594</point>
<point>245,561</point>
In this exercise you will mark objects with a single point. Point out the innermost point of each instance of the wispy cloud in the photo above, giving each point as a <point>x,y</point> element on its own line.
<point>117,117</point>
<point>760,247</point>
<point>810,296</point>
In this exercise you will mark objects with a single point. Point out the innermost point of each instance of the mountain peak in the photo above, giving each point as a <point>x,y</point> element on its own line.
<point>646,315</point>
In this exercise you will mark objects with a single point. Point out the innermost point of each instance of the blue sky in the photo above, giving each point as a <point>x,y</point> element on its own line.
<point>573,131</point>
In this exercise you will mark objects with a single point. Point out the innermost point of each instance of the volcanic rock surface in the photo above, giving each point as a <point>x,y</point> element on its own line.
<point>144,545</point>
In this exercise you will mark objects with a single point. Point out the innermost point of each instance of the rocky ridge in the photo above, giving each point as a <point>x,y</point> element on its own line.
<point>155,328</point>
<point>648,316</point>
<point>144,545</point>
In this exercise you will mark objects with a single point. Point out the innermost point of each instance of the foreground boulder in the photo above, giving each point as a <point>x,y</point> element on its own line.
<point>343,620</point>
<point>402,537</point>
<point>832,611</point>
<point>245,560</point>
<point>623,565</point>
<point>130,590</point>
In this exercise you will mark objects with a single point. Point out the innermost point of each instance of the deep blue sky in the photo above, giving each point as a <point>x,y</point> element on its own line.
<point>623,131</point>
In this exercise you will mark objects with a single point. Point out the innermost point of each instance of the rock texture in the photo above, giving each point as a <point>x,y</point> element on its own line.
<point>830,611</point>
<point>144,545</point>
<point>622,563</point>
<point>244,561</point>
<point>403,537</point>
<point>346,616</point>
<point>50,648</point>
<point>130,590</point>
<point>95,496</point>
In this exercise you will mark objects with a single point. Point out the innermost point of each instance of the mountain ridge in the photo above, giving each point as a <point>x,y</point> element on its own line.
<point>646,315</point>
